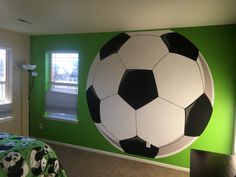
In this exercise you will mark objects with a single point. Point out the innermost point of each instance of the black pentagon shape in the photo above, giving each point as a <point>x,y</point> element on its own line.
<point>177,43</point>
<point>93,104</point>
<point>137,146</point>
<point>5,148</point>
<point>197,116</point>
<point>138,87</point>
<point>113,45</point>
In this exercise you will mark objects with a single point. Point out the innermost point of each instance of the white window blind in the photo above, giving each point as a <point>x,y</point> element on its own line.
<point>62,103</point>
<point>5,110</point>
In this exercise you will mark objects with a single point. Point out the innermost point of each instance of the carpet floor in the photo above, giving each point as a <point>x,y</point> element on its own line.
<point>80,163</point>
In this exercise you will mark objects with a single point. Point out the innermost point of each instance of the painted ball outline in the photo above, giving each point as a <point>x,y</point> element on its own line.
<point>176,44</point>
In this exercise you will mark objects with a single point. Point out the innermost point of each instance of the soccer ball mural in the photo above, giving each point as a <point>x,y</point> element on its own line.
<point>150,93</point>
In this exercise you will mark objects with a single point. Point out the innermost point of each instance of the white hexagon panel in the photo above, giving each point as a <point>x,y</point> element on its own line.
<point>178,79</point>
<point>92,71</point>
<point>148,50</point>
<point>120,114</point>
<point>108,75</point>
<point>165,119</point>
<point>150,93</point>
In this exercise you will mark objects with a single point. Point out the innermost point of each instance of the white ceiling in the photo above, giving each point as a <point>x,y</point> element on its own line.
<point>79,16</point>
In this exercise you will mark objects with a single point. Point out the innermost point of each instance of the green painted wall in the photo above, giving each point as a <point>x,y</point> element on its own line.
<point>216,43</point>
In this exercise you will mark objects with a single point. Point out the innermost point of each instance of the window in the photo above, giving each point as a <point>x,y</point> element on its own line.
<point>64,72</point>
<point>5,84</point>
<point>62,87</point>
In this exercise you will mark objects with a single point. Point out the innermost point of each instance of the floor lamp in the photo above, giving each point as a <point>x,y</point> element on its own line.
<point>32,74</point>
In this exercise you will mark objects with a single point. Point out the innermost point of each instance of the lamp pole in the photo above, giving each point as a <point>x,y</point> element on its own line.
<point>32,73</point>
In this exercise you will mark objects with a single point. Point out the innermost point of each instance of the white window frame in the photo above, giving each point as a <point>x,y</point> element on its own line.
<point>49,103</point>
<point>6,104</point>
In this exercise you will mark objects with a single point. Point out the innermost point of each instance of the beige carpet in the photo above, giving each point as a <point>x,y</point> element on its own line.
<point>79,163</point>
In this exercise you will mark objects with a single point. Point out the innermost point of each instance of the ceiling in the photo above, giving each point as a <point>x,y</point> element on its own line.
<point>83,16</point>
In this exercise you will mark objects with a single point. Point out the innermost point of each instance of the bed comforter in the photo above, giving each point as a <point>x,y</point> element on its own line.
<point>27,157</point>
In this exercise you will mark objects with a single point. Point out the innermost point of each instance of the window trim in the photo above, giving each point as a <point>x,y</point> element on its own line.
<point>63,84</point>
<point>61,117</point>
<point>6,119</point>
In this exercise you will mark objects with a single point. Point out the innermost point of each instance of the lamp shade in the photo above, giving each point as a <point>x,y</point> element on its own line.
<point>29,67</point>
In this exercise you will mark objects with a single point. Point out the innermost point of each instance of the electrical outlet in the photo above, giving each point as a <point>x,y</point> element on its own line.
<point>40,126</point>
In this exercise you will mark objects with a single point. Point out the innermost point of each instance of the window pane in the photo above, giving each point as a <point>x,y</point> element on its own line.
<point>2,93</point>
<point>64,68</point>
<point>3,53</point>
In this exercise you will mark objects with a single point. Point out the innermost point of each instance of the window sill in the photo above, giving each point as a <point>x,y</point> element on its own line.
<point>61,117</point>
<point>6,119</point>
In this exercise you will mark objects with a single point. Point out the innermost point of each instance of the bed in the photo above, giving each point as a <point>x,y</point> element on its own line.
<point>27,157</point>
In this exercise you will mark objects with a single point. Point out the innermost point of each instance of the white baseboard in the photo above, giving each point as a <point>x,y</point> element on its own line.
<point>118,155</point>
